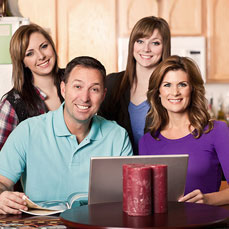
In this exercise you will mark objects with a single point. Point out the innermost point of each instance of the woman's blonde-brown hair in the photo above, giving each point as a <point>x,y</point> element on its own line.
<point>157,117</point>
<point>18,45</point>
<point>22,76</point>
<point>144,28</point>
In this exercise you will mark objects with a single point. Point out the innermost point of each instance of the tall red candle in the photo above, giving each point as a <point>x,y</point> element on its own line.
<point>124,183</point>
<point>159,188</point>
<point>137,190</point>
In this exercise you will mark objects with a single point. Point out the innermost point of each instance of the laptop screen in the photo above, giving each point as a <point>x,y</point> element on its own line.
<point>105,183</point>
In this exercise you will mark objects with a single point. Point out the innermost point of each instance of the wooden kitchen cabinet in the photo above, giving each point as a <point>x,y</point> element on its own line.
<point>92,27</point>
<point>41,12</point>
<point>184,17</point>
<point>209,18</point>
<point>217,21</point>
<point>130,11</point>
<point>79,27</point>
<point>87,27</point>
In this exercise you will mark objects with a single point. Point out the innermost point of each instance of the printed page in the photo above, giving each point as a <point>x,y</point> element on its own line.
<point>77,197</point>
<point>44,207</point>
<point>41,212</point>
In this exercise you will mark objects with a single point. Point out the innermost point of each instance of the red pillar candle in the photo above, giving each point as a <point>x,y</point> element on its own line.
<point>124,183</point>
<point>159,188</point>
<point>124,186</point>
<point>137,199</point>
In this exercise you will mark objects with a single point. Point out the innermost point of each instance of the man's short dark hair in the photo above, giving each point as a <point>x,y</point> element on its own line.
<point>87,62</point>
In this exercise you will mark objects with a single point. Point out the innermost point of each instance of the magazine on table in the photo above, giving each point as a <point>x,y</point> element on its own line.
<point>54,207</point>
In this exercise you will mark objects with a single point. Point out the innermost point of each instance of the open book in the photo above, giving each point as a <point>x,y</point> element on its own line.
<point>54,207</point>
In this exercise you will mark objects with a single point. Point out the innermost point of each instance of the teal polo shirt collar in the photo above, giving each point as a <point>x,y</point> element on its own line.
<point>61,129</point>
<point>95,131</point>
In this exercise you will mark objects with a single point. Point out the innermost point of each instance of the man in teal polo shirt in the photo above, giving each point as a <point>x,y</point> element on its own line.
<point>52,152</point>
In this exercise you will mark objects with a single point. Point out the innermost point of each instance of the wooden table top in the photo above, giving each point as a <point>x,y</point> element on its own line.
<point>179,215</point>
<point>111,216</point>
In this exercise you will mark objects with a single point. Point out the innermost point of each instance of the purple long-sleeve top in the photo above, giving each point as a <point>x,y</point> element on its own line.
<point>208,156</point>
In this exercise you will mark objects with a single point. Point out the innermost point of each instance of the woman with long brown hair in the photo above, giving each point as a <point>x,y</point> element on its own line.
<point>178,122</point>
<point>36,78</point>
<point>125,101</point>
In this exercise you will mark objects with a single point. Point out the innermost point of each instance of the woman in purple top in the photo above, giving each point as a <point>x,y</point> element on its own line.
<point>178,123</point>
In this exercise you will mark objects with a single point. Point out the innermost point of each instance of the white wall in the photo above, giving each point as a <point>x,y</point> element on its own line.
<point>5,78</point>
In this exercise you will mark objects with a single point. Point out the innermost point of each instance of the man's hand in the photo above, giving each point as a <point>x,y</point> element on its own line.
<point>195,196</point>
<point>11,202</point>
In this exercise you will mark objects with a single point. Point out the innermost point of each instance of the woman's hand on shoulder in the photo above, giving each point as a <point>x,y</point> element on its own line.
<point>195,196</point>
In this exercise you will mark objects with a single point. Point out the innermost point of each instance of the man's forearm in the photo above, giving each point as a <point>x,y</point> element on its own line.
<point>5,188</point>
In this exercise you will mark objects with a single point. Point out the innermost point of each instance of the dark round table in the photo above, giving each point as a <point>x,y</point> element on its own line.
<point>179,215</point>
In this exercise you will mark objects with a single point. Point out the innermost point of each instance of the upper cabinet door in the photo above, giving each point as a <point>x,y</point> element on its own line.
<point>41,12</point>
<point>185,17</point>
<point>78,27</point>
<point>218,37</point>
<point>87,27</point>
<point>130,11</point>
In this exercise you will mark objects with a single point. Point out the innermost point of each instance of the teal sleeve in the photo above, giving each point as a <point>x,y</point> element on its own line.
<point>127,146</point>
<point>12,155</point>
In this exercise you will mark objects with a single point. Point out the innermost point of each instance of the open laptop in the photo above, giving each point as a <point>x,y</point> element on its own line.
<point>105,183</point>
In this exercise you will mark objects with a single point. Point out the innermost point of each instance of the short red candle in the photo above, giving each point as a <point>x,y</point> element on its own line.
<point>137,199</point>
<point>159,188</point>
<point>124,186</point>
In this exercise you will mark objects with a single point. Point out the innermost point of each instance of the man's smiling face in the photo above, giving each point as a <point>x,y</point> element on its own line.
<point>83,92</point>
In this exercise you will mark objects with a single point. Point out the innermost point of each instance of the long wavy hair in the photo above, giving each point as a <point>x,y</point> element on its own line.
<point>144,28</point>
<point>157,117</point>
<point>22,76</point>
